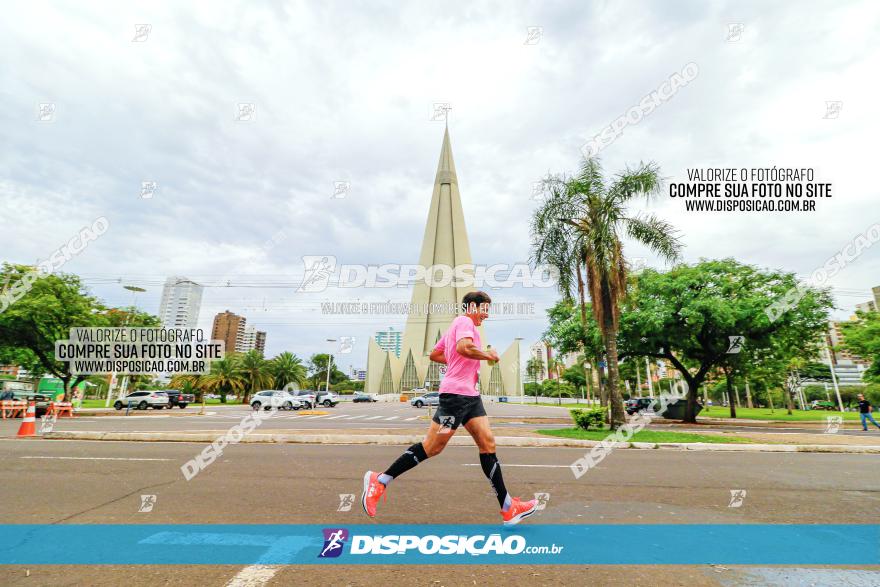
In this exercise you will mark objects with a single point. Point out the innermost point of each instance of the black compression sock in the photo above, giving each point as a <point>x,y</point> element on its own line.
<point>409,459</point>
<point>492,469</point>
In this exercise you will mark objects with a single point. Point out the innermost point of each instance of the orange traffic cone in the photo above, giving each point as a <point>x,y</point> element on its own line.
<point>28,425</point>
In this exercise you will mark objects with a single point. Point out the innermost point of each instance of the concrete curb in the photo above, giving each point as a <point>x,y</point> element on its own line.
<point>405,439</point>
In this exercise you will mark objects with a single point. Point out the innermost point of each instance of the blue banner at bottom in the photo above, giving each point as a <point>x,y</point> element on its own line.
<point>660,544</point>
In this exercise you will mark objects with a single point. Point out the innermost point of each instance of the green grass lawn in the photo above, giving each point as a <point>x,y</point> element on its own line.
<point>645,436</point>
<point>751,413</point>
<point>777,414</point>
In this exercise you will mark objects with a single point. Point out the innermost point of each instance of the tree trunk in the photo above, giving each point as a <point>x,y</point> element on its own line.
<point>609,334</point>
<point>730,395</point>
<point>748,395</point>
<point>788,386</point>
<point>603,388</point>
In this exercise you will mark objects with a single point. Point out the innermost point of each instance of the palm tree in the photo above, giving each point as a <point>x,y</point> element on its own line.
<point>224,377</point>
<point>288,368</point>
<point>581,223</point>
<point>255,372</point>
<point>189,383</point>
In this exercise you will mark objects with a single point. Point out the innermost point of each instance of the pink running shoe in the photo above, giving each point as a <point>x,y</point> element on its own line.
<point>373,490</point>
<point>517,511</point>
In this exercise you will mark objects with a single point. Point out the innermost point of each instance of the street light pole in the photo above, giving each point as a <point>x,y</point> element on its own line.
<point>833,376</point>
<point>520,387</point>
<point>329,363</point>
<point>135,290</point>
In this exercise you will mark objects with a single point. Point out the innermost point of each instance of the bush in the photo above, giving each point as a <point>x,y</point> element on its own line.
<point>586,419</point>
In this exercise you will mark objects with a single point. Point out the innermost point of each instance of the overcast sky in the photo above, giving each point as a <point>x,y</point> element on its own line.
<point>344,91</point>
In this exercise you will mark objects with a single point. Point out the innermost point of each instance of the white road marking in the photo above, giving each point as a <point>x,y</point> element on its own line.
<point>337,417</point>
<point>411,419</point>
<point>374,417</point>
<point>253,576</point>
<point>94,458</point>
<point>392,418</point>
<point>354,417</point>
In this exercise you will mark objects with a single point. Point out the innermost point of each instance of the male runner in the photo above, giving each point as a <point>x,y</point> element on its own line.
<point>460,405</point>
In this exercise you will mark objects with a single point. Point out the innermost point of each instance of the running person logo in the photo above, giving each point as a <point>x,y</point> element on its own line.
<point>446,424</point>
<point>334,540</point>
<point>318,270</point>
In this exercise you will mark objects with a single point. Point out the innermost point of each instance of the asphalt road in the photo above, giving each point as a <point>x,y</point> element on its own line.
<point>101,482</point>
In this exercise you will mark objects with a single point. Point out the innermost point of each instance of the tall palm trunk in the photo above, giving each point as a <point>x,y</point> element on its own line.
<point>609,335</point>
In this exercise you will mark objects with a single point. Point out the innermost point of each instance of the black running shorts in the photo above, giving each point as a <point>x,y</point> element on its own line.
<point>456,409</point>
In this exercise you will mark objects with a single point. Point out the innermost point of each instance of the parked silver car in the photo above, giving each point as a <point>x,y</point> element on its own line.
<point>428,399</point>
<point>282,400</point>
<point>143,399</point>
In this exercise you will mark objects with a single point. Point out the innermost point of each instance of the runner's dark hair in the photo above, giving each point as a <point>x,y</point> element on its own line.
<point>475,297</point>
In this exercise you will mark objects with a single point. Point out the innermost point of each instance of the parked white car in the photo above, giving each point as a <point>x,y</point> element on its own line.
<point>282,400</point>
<point>143,400</point>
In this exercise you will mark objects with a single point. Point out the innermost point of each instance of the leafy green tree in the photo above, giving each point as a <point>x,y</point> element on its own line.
<point>46,312</point>
<point>862,337</point>
<point>580,224</point>
<point>288,368</point>
<point>318,371</point>
<point>688,314</point>
<point>534,368</point>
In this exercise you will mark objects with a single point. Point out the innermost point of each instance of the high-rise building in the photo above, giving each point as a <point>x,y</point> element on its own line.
<point>872,305</point>
<point>868,306</point>
<point>252,339</point>
<point>230,328</point>
<point>358,374</point>
<point>390,340</point>
<point>181,301</point>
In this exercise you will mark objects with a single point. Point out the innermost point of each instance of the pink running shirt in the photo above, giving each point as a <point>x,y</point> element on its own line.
<point>462,372</point>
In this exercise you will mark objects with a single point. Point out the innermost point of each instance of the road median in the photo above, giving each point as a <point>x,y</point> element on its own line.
<point>407,439</point>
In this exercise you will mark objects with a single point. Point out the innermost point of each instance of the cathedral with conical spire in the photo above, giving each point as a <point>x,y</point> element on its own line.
<point>445,243</point>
